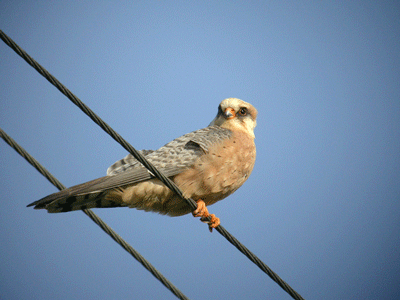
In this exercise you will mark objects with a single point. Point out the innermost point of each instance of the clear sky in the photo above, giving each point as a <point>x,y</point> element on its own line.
<point>321,207</point>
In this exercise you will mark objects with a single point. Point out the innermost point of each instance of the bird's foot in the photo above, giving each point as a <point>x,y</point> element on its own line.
<point>202,212</point>
<point>213,223</point>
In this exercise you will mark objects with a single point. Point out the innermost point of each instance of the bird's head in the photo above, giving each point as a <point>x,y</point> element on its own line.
<point>235,114</point>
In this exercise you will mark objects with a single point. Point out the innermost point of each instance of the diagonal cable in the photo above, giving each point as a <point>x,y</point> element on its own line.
<point>142,160</point>
<point>94,217</point>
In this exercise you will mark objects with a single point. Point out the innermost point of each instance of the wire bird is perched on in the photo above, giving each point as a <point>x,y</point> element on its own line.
<point>207,165</point>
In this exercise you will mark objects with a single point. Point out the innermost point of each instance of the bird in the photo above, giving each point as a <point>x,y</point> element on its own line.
<point>207,165</point>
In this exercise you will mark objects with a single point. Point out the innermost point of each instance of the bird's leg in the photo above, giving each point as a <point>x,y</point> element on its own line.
<point>202,212</point>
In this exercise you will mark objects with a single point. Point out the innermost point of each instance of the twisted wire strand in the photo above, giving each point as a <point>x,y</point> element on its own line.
<point>42,170</point>
<point>142,160</point>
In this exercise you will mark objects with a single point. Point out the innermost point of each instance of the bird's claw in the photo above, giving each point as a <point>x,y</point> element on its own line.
<point>213,223</point>
<point>202,212</point>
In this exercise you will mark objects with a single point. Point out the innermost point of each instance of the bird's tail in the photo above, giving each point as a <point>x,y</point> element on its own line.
<point>80,197</point>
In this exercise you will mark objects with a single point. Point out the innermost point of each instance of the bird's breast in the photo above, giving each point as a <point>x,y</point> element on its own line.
<point>218,173</point>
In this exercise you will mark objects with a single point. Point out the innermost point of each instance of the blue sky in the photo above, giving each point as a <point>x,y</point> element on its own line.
<point>321,207</point>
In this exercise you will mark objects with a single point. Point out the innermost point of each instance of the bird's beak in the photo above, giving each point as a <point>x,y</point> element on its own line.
<point>229,113</point>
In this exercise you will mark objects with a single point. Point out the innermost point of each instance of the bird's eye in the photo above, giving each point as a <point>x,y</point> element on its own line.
<point>243,111</point>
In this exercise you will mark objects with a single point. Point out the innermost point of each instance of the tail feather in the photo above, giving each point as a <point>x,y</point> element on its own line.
<point>70,203</point>
<point>86,195</point>
<point>92,200</point>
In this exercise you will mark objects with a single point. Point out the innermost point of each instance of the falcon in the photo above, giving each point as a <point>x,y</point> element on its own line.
<point>207,165</point>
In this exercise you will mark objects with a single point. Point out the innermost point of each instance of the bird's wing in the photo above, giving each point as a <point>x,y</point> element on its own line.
<point>128,161</point>
<point>171,159</point>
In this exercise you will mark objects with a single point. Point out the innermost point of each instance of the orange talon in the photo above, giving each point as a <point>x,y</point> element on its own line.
<point>213,223</point>
<point>202,212</point>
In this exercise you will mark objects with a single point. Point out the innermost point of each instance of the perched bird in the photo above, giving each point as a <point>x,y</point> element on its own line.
<point>207,165</point>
